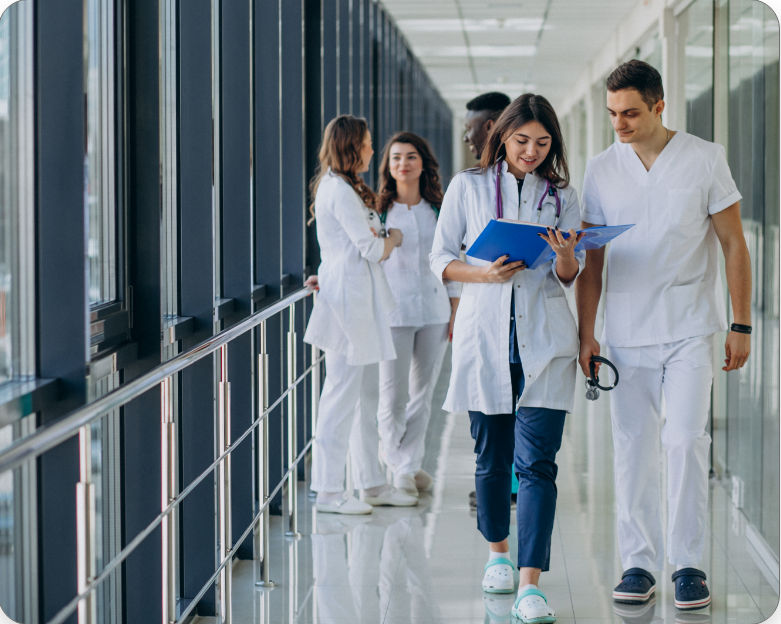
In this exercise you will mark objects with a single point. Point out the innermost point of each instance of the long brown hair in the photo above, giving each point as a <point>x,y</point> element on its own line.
<point>341,152</point>
<point>430,187</point>
<point>524,109</point>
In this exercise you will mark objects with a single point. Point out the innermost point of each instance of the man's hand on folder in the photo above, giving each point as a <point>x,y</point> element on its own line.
<point>499,272</point>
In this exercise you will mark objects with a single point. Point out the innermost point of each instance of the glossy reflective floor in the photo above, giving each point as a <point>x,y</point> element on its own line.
<point>424,564</point>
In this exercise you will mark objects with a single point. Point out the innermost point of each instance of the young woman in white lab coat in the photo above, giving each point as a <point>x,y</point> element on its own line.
<point>350,322</point>
<point>515,341</point>
<point>409,198</point>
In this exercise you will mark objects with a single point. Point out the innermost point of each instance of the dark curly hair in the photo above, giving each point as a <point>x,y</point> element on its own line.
<point>430,187</point>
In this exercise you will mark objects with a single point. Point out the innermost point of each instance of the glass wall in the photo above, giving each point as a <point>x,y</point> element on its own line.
<point>16,192</point>
<point>100,153</point>
<point>753,152</point>
<point>695,27</point>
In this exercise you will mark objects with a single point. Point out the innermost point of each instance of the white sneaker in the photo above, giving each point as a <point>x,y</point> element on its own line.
<point>423,481</point>
<point>347,505</point>
<point>390,496</point>
<point>406,483</point>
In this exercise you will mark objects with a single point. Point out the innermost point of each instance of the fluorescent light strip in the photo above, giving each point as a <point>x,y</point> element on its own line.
<point>470,25</point>
<point>476,51</point>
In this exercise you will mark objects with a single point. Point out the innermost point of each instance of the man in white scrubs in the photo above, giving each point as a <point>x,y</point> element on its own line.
<point>664,302</point>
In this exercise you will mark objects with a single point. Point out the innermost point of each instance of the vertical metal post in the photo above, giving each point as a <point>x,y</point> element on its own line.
<point>168,491</point>
<point>224,486</point>
<point>315,394</point>
<point>292,437</point>
<point>85,529</point>
<point>263,479</point>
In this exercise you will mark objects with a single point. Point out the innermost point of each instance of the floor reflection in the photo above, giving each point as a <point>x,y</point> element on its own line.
<point>424,565</point>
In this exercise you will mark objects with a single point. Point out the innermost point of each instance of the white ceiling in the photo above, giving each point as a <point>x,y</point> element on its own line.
<point>515,46</point>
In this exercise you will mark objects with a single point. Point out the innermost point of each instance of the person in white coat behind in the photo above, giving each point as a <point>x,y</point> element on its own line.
<point>409,198</point>
<point>515,341</point>
<point>350,322</point>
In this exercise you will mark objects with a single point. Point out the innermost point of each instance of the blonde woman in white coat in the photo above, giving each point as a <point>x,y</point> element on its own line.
<point>515,341</point>
<point>409,198</point>
<point>350,322</point>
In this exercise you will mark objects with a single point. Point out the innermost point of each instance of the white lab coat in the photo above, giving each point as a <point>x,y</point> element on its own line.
<point>663,282</point>
<point>351,313</point>
<point>545,328</point>
<point>421,298</point>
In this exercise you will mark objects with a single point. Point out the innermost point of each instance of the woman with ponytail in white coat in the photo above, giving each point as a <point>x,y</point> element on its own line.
<point>350,322</point>
<point>515,341</point>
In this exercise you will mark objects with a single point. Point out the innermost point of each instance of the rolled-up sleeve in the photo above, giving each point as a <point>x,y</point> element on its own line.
<point>722,192</point>
<point>571,220</point>
<point>451,228</point>
<point>351,215</point>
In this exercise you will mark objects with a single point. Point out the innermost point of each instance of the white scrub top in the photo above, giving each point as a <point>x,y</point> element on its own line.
<point>421,299</point>
<point>354,301</point>
<point>545,328</point>
<point>663,281</point>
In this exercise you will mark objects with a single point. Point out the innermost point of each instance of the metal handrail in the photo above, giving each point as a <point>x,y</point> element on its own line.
<point>48,437</point>
<point>66,611</point>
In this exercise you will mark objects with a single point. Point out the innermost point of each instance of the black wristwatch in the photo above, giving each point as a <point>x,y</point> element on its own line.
<point>741,329</point>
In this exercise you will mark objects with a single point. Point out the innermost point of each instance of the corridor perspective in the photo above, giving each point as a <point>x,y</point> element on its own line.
<point>424,564</point>
<point>183,340</point>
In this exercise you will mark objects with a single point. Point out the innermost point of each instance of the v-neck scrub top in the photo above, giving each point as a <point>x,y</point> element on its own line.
<point>421,299</point>
<point>663,281</point>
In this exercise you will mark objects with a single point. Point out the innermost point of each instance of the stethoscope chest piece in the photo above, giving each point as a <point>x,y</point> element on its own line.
<point>592,382</point>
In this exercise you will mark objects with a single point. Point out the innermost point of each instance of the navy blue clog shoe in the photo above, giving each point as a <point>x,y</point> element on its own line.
<point>691,591</point>
<point>636,587</point>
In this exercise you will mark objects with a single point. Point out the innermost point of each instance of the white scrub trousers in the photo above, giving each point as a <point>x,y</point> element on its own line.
<point>682,371</point>
<point>406,388</point>
<point>347,420</point>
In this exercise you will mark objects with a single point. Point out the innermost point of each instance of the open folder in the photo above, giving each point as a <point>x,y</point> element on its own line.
<point>521,241</point>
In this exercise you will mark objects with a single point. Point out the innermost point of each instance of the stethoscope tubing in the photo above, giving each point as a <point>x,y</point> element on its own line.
<point>384,217</point>
<point>594,378</point>
<point>550,189</point>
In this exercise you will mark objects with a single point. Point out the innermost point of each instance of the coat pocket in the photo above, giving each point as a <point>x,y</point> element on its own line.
<point>563,329</point>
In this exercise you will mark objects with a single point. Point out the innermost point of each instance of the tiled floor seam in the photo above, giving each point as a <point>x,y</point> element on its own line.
<point>569,585</point>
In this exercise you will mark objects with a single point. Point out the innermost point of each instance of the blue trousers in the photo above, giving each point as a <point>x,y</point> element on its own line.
<point>530,439</point>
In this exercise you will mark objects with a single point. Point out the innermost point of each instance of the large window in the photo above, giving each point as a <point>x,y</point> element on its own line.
<point>753,149</point>
<point>17,498</point>
<point>696,29</point>
<point>16,193</point>
<point>100,155</point>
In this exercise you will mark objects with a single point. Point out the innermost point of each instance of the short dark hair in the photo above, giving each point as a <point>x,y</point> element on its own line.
<point>492,103</point>
<point>639,76</point>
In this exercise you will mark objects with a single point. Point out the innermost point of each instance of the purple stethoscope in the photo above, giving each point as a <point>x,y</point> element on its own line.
<point>550,191</point>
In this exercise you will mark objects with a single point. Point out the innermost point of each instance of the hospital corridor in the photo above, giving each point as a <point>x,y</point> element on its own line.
<point>390,311</point>
<point>424,564</point>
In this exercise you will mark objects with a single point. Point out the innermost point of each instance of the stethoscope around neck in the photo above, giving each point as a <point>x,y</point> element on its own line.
<point>550,191</point>
<point>384,217</point>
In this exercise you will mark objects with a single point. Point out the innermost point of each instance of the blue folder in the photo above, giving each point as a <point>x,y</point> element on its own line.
<point>521,241</point>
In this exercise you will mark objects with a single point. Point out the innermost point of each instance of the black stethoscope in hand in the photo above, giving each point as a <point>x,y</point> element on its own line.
<point>592,382</point>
